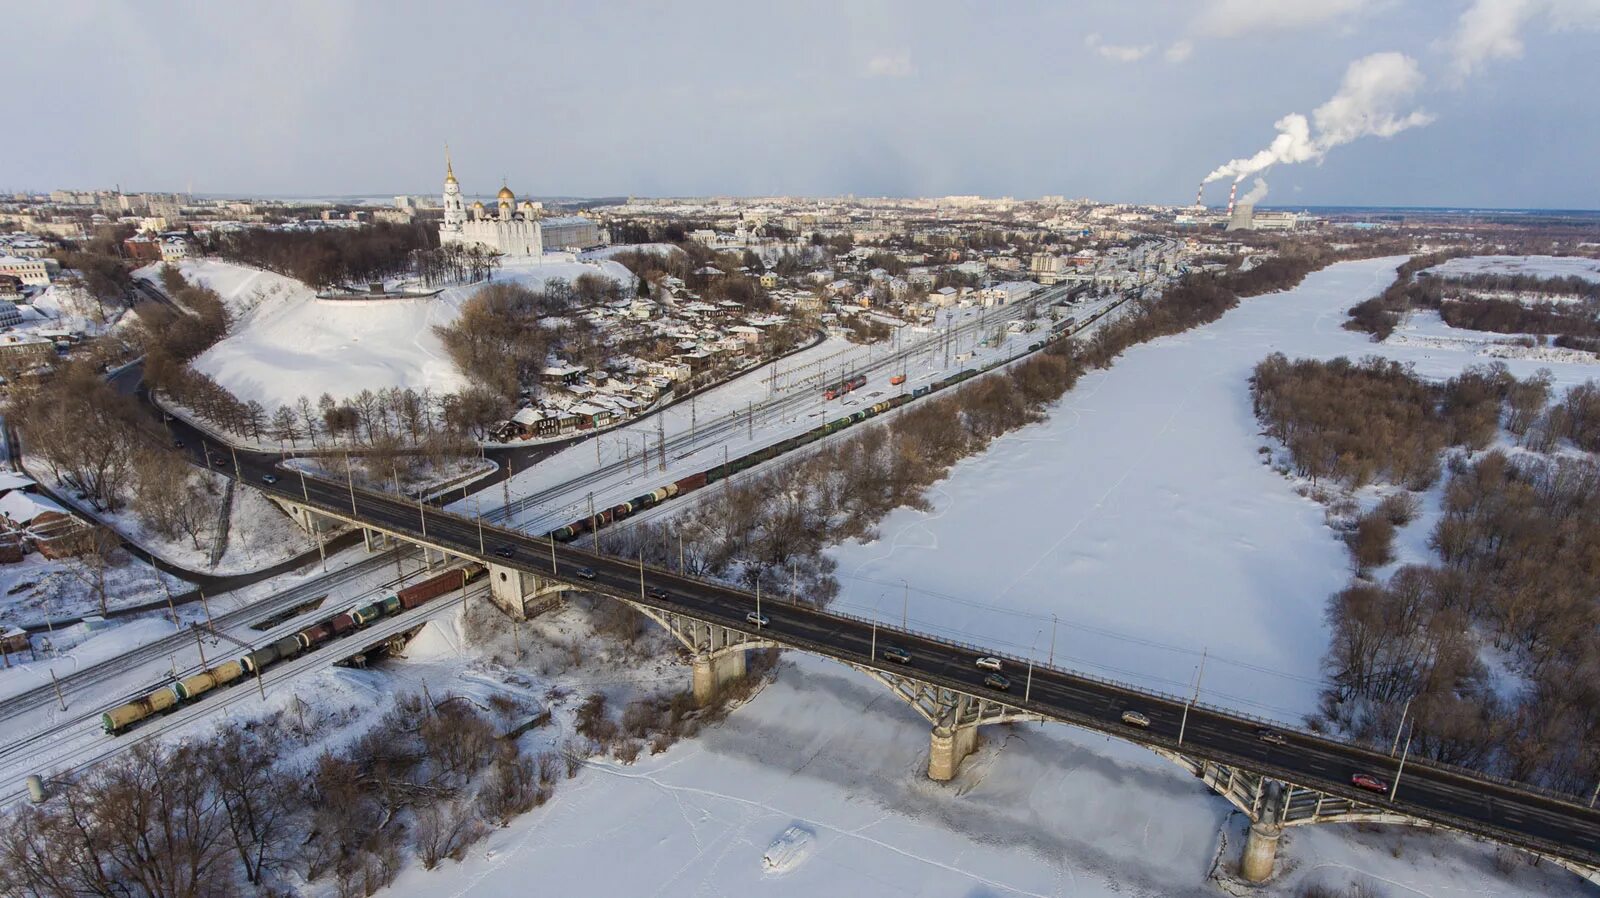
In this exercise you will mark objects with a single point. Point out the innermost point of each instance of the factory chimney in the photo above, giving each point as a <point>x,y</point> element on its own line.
<point>1232,192</point>
<point>1198,194</point>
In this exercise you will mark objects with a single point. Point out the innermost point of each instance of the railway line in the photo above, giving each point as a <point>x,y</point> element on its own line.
<point>79,681</point>
<point>715,432</point>
<point>83,744</point>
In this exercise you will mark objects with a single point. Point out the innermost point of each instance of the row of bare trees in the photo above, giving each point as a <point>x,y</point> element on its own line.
<point>454,263</point>
<point>218,816</point>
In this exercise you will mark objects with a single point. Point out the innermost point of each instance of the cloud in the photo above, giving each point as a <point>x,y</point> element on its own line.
<point>1367,104</point>
<point>1492,29</point>
<point>892,64</point>
<point>1180,51</point>
<point>1232,18</point>
<point>1118,52</point>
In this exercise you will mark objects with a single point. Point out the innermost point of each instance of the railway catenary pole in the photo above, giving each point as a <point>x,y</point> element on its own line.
<point>60,700</point>
<point>1052,661</point>
<point>477,512</point>
<point>641,573</point>
<point>553,568</point>
<point>905,607</point>
<point>593,529</point>
<point>201,646</point>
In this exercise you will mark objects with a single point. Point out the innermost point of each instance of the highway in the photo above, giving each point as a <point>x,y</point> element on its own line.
<point>1513,814</point>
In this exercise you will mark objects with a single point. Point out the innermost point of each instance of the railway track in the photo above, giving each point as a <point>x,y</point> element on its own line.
<point>109,669</point>
<point>713,432</point>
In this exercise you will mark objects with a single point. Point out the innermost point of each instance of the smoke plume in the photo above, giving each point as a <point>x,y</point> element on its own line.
<point>1368,104</point>
<point>1257,193</point>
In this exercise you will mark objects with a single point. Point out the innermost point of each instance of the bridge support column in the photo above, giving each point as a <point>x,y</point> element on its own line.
<point>712,672</point>
<point>1260,851</point>
<point>522,595</point>
<point>950,744</point>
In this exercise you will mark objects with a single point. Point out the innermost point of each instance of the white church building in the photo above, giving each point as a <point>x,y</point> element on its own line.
<point>513,230</point>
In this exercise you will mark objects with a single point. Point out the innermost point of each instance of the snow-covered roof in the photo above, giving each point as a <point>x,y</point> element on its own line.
<point>23,508</point>
<point>10,480</point>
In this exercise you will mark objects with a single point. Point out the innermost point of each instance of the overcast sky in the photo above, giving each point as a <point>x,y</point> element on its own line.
<point>1485,102</point>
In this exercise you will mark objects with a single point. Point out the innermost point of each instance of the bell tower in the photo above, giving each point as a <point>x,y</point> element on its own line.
<point>455,214</point>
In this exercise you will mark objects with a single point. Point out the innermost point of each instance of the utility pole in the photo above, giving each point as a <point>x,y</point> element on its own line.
<point>1052,661</point>
<point>422,514</point>
<point>905,607</point>
<point>692,397</point>
<point>594,524</point>
<point>553,568</point>
<point>873,655</point>
<point>750,420</point>
<point>477,508</point>
<point>201,646</point>
<point>1395,788</point>
<point>661,444</point>
<point>57,684</point>
<point>641,573</point>
<point>236,474</point>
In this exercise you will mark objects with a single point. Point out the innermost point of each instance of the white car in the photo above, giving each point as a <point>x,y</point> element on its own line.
<point>760,620</point>
<point>988,663</point>
<point>1135,719</point>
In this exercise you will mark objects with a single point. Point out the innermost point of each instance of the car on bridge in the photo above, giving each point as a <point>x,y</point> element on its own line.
<point>760,620</point>
<point>657,593</point>
<point>897,654</point>
<point>1270,736</point>
<point>506,551</point>
<point>1135,719</point>
<point>269,479</point>
<point>586,573</point>
<point>988,663</point>
<point>1368,782</point>
<point>997,681</point>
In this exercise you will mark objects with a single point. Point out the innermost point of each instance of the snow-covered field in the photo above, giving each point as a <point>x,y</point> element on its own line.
<point>1424,329</point>
<point>1538,266</point>
<point>286,343</point>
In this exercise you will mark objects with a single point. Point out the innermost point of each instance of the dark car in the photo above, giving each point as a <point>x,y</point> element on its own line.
<point>997,681</point>
<point>1270,736</point>
<point>216,461</point>
<point>506,551</point>
<point>657,593</point>
<point>269,479</point>
<point>585,573</point>
<point>177,444</point>
<point>897,654</point>
<point>1370,783</point>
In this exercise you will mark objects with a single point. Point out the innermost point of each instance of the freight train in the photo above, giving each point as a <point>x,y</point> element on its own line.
<point>599,520</point>
<point>123,716</point>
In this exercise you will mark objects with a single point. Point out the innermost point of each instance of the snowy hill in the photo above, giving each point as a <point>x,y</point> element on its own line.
<point>286,343</point>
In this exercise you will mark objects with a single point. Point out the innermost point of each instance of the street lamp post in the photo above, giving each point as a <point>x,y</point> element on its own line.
<point>1401,728</point>
<point>1184,724</point>
<point>1395,788</point>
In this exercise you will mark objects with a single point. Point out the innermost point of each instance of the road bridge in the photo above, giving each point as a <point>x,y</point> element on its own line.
<point>1306,779</point>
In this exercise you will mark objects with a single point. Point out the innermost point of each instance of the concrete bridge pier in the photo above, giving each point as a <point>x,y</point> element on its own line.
<point>307,519</point>
<point>950,744</point>
<point>712,671</point>
<point>1260,851</point>
<point>522,595</point>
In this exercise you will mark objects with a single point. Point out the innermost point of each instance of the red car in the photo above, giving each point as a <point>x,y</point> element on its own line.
<point>1370,783</point>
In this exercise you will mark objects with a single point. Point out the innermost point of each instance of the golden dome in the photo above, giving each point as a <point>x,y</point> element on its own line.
<point>506,194</point>
<point>478,204</point>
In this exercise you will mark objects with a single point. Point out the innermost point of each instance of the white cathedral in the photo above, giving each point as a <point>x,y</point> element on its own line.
<point>512,231</point>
